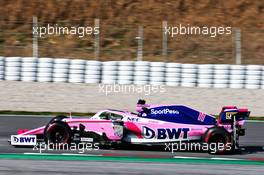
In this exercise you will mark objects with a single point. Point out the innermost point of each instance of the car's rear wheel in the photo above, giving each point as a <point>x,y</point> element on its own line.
<point>218,140</point>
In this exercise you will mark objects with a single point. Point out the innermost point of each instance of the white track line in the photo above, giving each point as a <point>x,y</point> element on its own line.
<point>41,154</point>
<point>185,157</point>
<point>224,158</point>
<point>212,158</point>
<point>65,154</point>
<point>72,154</point>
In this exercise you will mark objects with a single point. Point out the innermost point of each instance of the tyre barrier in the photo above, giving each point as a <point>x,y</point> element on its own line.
<point>12,69</point>
<point>76,71</point>
<point>61,70</point>
<point>109,72</point>
<point>125,72</point>
<point>157,72</point>
<point>141,72</point>
<point>44,69</point>
<point>205,76</point>
<point>189,75</point>
<point>29,69</point>
<point>92,72</point>
<point>173,74</point>
<point>221,76</point>
<point>131,72</point>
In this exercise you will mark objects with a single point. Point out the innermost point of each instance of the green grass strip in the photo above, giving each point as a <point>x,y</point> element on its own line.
<point>126,159</point>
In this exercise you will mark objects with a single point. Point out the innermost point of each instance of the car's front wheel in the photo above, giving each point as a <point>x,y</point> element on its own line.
<point>58,132</point>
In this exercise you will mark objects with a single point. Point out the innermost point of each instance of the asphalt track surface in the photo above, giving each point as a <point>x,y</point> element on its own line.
<point>27,167</point>
<point>252,148</point>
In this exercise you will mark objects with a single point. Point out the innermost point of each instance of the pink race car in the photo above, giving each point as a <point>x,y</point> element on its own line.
<point>152,124</point>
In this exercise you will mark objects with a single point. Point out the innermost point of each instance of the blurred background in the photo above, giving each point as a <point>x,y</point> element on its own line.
<point>119,27</point>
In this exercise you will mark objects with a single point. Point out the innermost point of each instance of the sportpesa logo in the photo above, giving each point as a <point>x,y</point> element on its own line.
<point>164,111</point>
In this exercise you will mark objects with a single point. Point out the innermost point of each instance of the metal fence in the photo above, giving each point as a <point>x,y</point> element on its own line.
<point>123,42</point>
<point>131,72</point>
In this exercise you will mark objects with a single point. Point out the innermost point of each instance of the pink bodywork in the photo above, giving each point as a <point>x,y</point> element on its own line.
<point>97,126</point>
<point>134,124</point>
<point>100,126</point>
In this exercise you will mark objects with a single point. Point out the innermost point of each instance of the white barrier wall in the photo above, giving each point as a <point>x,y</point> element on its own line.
<point>131,72</point>
<point>82,97</point>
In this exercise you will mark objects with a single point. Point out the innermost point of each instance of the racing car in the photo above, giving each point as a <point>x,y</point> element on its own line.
<point>151,124</point>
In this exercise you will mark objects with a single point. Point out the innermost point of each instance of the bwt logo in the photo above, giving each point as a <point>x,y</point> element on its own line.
<point>26,139</point>
<point>164,111</point>
<point>173,133</point>
<point>23,140</point>
<point>15,139</point>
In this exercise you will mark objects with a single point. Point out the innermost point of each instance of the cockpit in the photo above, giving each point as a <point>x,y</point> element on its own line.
<point>110,116</point>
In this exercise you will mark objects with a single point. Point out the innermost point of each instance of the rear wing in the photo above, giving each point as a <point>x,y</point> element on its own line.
<point>231,113</point>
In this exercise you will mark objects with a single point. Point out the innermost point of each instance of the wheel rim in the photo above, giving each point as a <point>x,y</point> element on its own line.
<point>217,140</point>
<point>57,134</point>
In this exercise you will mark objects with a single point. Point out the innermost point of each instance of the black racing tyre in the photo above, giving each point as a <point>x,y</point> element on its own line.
<point>218,140</point>
<point>58,132</point>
